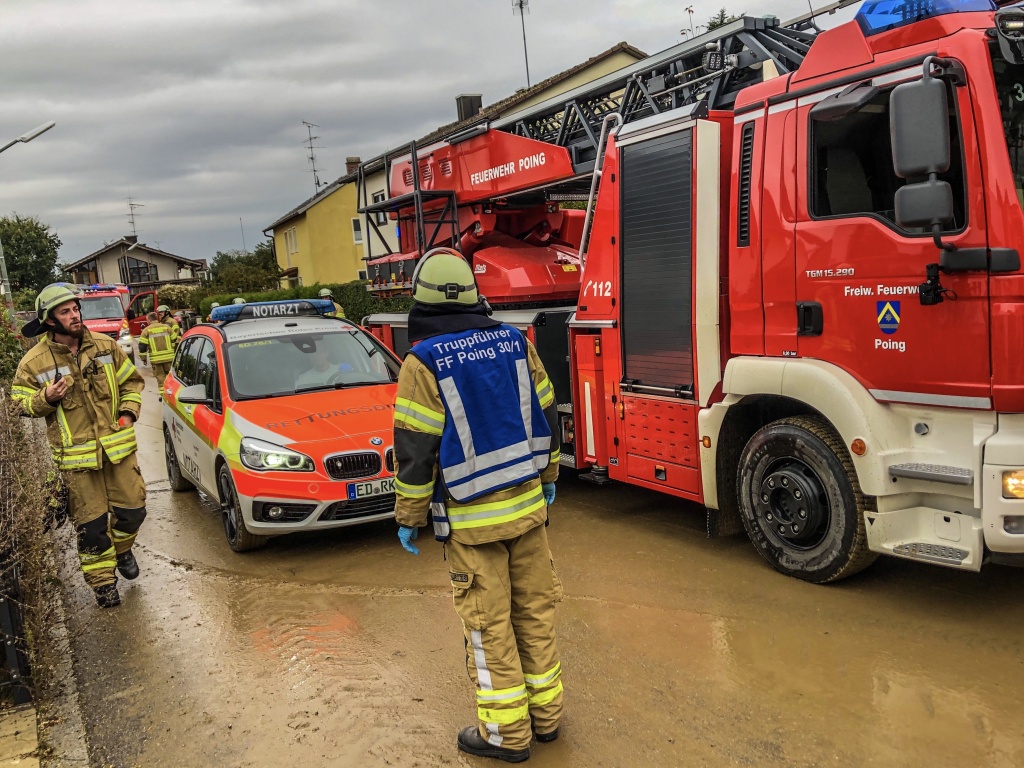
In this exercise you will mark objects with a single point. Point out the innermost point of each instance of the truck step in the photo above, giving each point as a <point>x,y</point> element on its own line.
<point>938,473</point>
<point>932,553</point>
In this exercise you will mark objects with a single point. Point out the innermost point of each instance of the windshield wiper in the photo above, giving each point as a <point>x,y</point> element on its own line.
<point>339,385</point>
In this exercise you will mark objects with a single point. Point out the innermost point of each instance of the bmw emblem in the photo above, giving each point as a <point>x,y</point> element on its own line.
<point>376,441</point>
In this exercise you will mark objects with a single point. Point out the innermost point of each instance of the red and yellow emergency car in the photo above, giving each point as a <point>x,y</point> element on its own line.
<point>285,416</point>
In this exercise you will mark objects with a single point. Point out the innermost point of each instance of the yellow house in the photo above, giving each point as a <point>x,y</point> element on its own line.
<point>325,239</point>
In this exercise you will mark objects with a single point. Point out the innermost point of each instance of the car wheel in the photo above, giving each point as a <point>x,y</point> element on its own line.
<point>239,538</point>
<point>800,501</point>
<point>177,480</point>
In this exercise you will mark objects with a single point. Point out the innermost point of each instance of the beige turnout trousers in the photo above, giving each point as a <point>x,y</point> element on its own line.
<point>505,593</point>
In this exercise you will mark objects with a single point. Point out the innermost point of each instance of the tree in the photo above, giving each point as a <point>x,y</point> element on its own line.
<point>720,19</point>
<point>25,299</point>
<point>254,270</point>
<point>30,250</point>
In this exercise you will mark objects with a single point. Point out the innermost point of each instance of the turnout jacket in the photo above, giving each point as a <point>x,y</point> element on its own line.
<point>432,430</point>
<point>159,340</point>
<point>82,428</point>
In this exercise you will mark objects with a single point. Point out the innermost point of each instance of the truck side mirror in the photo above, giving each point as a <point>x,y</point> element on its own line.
<point>130,314</point>
<point>925,204</point>
<point>919,128</point>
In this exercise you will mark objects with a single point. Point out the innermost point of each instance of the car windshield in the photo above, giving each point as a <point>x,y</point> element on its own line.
<point>102,308</point>
<point>305,362</point>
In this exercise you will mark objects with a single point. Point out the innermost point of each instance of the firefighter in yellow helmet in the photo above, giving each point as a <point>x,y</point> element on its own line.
<point>90,395</point>
<point>325,293</point>
<point>158,342</point>
<point>474,418</point>
<point>164,314</point>
<point>213,306</point>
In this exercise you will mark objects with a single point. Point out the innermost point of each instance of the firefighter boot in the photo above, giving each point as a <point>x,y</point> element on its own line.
<point>543,738</point>
<point>107,596</point>
<point>127,566</point>
<point>470,741</point>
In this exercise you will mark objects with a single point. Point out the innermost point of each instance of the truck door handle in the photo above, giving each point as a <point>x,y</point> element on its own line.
<point>809,318</point>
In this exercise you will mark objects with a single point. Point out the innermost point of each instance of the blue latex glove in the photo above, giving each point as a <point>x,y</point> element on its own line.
<point>406,535</point>
<point>549,493</point>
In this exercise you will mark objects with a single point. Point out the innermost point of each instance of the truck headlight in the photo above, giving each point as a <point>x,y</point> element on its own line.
<point>256,454</point>
<point>1013,484</point>
<point>125,334</point>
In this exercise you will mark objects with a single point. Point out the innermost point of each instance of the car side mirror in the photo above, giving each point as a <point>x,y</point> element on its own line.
<point>130,314</point>
<point>194,395</point>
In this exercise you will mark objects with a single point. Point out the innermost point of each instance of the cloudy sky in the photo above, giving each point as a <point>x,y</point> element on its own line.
<point>194,108</point>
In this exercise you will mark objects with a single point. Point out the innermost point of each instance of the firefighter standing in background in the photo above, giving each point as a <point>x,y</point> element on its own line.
<point>165,316</point>
<point>474,418</point>
<point>158,342</point>
<point>213,306</point>
<point>90,395</point>
<point>325,293</point>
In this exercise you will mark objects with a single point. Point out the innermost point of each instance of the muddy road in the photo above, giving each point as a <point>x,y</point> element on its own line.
<point>340,649</point>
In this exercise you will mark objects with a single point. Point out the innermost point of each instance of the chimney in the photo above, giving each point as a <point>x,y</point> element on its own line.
<point>469,105</point>
<point>132,238</point>
<point>352,164</point>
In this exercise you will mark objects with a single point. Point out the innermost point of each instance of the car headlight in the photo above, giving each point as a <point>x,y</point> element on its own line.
<point>256,454</point>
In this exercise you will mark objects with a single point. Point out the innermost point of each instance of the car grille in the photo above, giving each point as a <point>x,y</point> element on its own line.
<point>113,334</point>
<point>349,510</point>
<point>389,460</point>
<point>349,466</point>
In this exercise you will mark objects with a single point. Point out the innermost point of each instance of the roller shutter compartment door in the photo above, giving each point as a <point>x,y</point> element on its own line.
<point>657,256</point>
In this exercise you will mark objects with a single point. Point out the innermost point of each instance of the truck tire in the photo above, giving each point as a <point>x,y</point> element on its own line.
<point>800,501</point>
<point>238,536</point>
<point>174,476</point>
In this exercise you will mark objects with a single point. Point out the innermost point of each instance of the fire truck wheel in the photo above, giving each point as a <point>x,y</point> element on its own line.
<point>239,538</point>
<point>177,480</point>
<point>801,503</point>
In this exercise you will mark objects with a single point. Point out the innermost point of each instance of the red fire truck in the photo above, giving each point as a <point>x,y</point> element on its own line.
<point>799,285</point>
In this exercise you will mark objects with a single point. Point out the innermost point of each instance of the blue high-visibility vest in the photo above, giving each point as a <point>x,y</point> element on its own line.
<point>495,435</point>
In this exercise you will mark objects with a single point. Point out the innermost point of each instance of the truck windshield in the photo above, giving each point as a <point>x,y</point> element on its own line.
<point>1010,88</point>
<point>102,308</point>
<point>305,362</point>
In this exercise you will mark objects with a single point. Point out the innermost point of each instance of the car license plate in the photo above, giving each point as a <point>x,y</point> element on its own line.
<point>372,488</point>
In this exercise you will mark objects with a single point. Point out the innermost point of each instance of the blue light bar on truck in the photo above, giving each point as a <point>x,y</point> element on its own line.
<point>257,310</point>
<point>877,16</point>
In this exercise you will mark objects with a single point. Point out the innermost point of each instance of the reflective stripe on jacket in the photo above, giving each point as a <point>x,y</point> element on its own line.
<point>82,428</point>
<point>159,341</point>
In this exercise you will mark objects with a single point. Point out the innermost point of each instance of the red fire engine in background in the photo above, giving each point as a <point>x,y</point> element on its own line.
<point>795,295</point>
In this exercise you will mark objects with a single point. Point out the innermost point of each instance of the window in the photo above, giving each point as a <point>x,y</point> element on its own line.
<point>380,218</point>
<point>291,241</point>
<point>851,166</point>
<point>186,362</point>
<point>206,373</point>
<point>87,273</point>
<point>362,274</point>
<point>357,230</point>
<point>137,271</point>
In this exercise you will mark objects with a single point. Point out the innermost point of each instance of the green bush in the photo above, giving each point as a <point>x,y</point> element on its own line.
<point>10,348</point>
<point>353,297</point>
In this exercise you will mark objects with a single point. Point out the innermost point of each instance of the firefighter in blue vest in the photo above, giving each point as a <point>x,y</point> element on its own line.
<point>474,418</point>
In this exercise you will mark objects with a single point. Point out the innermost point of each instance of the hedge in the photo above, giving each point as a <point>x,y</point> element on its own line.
<point>353,297</point>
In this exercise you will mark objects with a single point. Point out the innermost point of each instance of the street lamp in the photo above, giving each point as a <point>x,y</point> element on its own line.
<point>25,138</point>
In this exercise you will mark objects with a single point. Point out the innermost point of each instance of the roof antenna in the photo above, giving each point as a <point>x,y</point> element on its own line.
<point>312,155</point>
<point>813,19</point>
<point>521,7</point>
<point>131,214</point>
